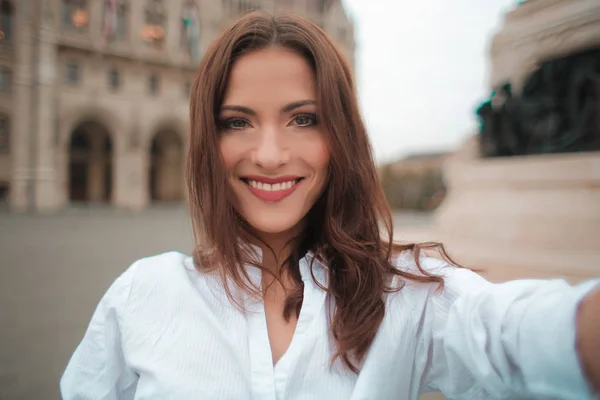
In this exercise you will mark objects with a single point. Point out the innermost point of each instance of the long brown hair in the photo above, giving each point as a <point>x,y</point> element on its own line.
<point>344,227</point>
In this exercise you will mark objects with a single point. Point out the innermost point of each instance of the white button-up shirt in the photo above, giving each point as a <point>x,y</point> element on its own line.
<point>164,330</point>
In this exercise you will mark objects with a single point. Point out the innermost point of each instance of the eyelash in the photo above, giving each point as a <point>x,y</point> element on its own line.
<point>226,124</point>
<point>312,117</point>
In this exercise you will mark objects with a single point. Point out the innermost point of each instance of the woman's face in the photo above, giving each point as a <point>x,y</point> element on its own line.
<point>272,143</point>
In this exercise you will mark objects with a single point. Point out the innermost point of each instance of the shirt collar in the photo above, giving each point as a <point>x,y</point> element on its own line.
<point>319,273</point>
<point>312,270</point>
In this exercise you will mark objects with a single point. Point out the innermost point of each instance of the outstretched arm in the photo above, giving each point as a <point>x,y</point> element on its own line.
<point>519,339</point>
<point>588,337</point>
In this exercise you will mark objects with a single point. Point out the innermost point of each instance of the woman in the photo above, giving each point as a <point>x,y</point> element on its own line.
<point>292,292</point>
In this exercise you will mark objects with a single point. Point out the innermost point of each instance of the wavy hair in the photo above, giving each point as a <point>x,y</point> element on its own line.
<point>349,228</point>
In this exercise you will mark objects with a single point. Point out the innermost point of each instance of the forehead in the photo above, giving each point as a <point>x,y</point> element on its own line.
<point>270,76</point>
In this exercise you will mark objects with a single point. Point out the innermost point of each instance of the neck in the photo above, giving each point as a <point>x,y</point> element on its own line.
<point>277,247</point>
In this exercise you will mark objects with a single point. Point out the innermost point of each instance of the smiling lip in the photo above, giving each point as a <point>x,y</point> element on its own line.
<point>272,195</point>
<point>271,181</point>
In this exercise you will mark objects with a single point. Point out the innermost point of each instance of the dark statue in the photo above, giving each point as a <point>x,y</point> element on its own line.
<point>558,110</point>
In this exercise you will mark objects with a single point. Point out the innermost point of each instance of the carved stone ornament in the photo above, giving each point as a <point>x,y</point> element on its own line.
<point>557,111</point>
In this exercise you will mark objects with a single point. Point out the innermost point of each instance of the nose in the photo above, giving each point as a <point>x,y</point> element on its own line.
<point>271,151</point>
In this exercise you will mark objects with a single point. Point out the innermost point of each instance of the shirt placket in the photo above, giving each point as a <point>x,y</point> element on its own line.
<point>268,382</point>
<point>261,360</point>
<point>312,304</point>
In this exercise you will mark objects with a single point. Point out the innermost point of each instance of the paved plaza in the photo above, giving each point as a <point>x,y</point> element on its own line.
<point>55,268</point>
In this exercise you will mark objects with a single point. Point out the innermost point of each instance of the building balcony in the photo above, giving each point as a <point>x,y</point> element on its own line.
<point>140,52</point>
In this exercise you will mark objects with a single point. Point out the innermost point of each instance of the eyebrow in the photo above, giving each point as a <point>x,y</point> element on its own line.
<point>287,108</point>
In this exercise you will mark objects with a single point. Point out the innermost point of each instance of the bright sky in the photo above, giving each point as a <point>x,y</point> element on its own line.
<point>422,69</point>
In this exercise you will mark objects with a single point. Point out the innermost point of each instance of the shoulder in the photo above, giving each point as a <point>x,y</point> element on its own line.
<point>150,276</point>
<point>456,280</point>
<point>165,271</point>
<point>164,266</point>
<point>419,304</point>
<point>406,261</point>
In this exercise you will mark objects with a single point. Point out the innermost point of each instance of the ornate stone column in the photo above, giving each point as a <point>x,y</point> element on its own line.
<point>130,166</point>
<point>47,182</point>
<point>23,73</point>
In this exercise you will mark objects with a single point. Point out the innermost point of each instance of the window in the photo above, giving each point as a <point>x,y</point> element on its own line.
<point>114,79</point>
<point>4,133</point>
<point>188,88</point>
<point>6,21</point>
<point>154,30</point>
<point>5,80</point>
<point>75,14</point>
<point>153,84</point>
<point>73,73</point>
<point>190,31</point>
<point>115,20</point>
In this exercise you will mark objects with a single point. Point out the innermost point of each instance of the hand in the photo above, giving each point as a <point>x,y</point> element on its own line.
<point>588,337</point>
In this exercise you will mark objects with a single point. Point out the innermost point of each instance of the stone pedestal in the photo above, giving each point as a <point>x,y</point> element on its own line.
<point>528,216</point>
<point>523,217</point>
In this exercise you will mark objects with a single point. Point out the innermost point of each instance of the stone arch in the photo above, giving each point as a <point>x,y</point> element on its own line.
<point>90,163</point>
<point>166,182</point>
<point>74,117</point>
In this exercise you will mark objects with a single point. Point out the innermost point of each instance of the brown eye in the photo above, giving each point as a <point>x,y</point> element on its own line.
<point>305,120</point>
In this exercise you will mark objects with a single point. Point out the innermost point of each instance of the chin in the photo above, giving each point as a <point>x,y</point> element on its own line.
<point>284,222</point>
<point>271,227</point>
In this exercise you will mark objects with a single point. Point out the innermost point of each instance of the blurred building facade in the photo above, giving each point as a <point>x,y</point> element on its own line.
<point>415,182</point>
<point>94,93</point>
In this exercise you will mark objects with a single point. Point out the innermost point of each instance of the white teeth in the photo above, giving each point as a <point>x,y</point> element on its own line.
<point>271,188</point>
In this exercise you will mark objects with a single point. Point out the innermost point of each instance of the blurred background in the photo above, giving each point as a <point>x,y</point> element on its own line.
<point>484,118</point>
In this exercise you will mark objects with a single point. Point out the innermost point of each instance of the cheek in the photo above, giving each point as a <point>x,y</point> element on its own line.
<point>320,158</point>
<point>229,153</point>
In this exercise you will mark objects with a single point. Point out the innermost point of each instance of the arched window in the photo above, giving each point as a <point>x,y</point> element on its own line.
<point>155,29</point>
<point>75,14</point>
<point>4,133</point>
<point>116,20</point>
<point>5,79</point>
<point>7,14</point>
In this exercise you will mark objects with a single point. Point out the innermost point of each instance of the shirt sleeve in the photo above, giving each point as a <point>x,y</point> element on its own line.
<point>97,369</point>
<point>512,340</point>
